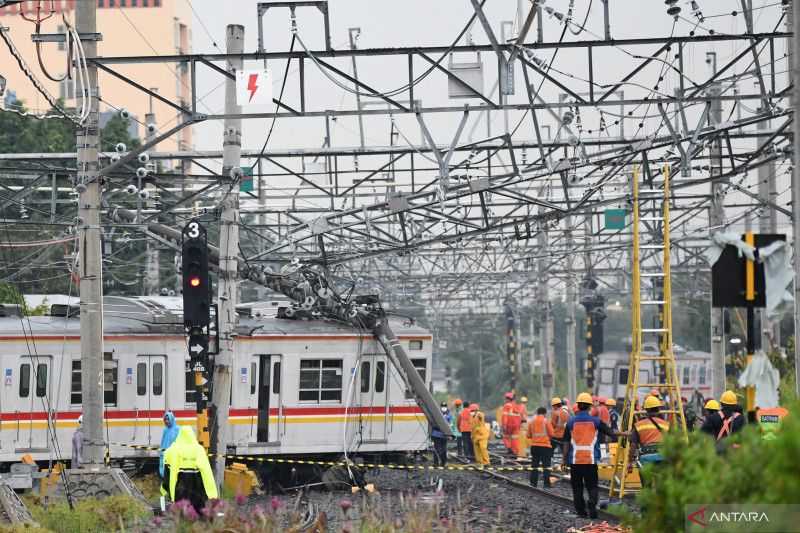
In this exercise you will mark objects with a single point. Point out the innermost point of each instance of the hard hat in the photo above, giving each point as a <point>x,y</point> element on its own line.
<point>651,402</point>
<point>555,401</point>
<point>601,399</point>
<point>594,398</point>
<point>728,398</point>
<point>509,395</point>
<point>474,407</point>
<point>80,420</point>
<point>457,401</point>
<point>655,393</point>
<point>584,397</point>
<point>712,405</point>
<point>524,399</point>
<point>611,402</point>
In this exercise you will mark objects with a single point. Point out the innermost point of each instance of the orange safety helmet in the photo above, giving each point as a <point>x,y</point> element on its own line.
<point>457,401</point>
<point>509,396</point>
<point>474,407</point>
<point>601,399</point>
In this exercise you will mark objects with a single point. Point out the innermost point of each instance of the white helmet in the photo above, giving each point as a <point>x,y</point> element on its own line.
<point>80,420</point>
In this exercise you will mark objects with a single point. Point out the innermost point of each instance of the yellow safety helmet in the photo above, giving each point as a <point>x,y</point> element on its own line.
<point>728,398</point>
<point>611,402</point>
<point>524,399</point>
<point>555,401</point>
<point>651,402</point>
<point>584,397</point>
<point>712,405</point>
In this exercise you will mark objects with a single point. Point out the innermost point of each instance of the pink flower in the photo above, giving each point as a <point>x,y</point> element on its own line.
<point>241,499</point>
<point>157,521</point>
<point>345,504</point>
<point>275,503</point>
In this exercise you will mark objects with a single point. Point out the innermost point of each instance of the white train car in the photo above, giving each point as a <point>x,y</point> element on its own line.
<point>299,387</point>
<point>694,372</point>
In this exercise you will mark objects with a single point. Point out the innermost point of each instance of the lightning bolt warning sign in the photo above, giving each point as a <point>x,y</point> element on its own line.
<point>253,87</point>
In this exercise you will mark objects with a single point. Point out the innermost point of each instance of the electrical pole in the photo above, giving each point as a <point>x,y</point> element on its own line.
<point>767,223</point>
<point>152,278</point>
<point>228,266</point>
<point>717,220</point>
<point>354,33</point>
<point>795,62</point>
<point>90,249</point>
<point>572,377</point>
<point>546,324</point>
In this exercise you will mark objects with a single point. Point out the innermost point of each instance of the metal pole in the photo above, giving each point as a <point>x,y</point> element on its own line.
<point>572,377</point>
<point>90,244</point>
<point>606,20</point>
<point>545,329</point>
<point>717,221</point>
<point>227,292</point>
<point>795,17</point>
<point>152,278</point>
<point>354,33</point>
<point>767,223</point>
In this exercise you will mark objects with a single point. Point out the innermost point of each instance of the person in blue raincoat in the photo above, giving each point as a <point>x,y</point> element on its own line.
<point>169,435</point>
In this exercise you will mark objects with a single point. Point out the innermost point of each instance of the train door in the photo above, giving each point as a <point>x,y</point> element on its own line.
<point>268,391</point>
<point>374,409</point>
<point>35,395</point>
<point>151,395</point>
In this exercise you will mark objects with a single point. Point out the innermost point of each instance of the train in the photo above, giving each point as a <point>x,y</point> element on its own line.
<point>694,371</point>
<point>301,388</point>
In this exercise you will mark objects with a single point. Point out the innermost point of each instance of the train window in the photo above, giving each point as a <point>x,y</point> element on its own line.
<point>320,380</point>
<point>606,375</point>
<point>253,377</point>
<point>380,376</point>
<point>109,380</point>
<point>415,345</point>
<point>75,396</point>
<point>421,366</point>
<point>686,375</point>
<point>158,379</point>
<point>365,369</point>
<point>41,380</point>
<point>141,379</point>
<point>24,380</point>
<point>701,375</point>
<point>623,376</point>
<point>276,378</point>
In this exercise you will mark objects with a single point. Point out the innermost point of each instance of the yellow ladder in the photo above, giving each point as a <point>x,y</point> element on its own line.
<point>655,201</point>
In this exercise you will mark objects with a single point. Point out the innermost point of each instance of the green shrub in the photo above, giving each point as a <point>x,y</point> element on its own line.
<point>757,471</point>
<point>91,515</point>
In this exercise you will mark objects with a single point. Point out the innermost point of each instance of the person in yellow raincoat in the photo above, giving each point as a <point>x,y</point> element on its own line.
<point>480,438</point>
<point>188,474</point>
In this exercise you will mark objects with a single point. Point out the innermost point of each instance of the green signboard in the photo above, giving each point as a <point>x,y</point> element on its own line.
<point>246,185</point>
<point>615,219</point>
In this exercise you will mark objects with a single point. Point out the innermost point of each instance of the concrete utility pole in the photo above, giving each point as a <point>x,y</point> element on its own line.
<point>546,325</point>
<point>795,62</point>
<point>717,220</point>
<point>90,250</point>
<point>152,274</point>
<point>228,295</point>
<point>572,377</point>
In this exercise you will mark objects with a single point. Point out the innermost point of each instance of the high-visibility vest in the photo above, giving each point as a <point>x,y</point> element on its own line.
<point>603,414</point>
<point>508,408</point>
<point>539,432</point>
<point>727,425</point>
<point>465,421</point>
<point>769,420</point>
<point>651,430</point>
<point>583,439</point>
<point>559,420</point>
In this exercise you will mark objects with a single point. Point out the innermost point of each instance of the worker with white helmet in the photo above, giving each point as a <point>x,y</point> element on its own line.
<point>77,444</point>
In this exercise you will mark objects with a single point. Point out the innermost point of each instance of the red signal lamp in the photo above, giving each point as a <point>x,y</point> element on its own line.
<point>194,281</point>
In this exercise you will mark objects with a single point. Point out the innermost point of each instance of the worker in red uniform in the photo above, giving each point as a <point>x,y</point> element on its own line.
<point>648,433</point>
<point>505,418</point>
<point>465,427</point>
<point>594,411</point>
<point>604,416</point>
<point>540,433</point>
<point>519,412</point>
<point>581,450</point>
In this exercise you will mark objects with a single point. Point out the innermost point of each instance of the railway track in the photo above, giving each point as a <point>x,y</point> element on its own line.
<point>562,498</point>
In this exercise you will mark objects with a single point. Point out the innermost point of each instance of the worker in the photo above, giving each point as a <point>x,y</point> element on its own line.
<point>465,427</point>
<point>558,419</point>
<point>517,438</point>
<point>440,439</point>
<point>480,437</point>
<point>514,421</point>
<point>505,419</point>
<point>455,418</point>
<point>168,436</point>
<point>594,411</point>
<point>540,433</point>
<point>604,416</point>
<point>769,420</point>
<point>727,421</point>
<point>711,408</point>
<point>613,414</point>
<point>648,434</point>
<point>188,474</point>
<point>581,449</point>
<point>77,444</point>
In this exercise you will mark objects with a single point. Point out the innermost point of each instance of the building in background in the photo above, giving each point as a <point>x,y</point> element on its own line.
<point>128,28</point>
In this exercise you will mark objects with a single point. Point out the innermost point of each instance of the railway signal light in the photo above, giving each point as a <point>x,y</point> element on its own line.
<point>196,282</point>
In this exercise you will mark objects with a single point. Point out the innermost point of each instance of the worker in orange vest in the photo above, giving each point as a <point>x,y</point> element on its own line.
<point>465,427</point>
<point>540,431</point>
<point>518,414</point>
<point>558,419</point>
<point>581,450</point>
<point>505,418</point>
